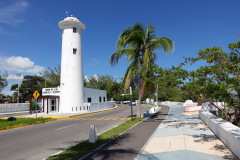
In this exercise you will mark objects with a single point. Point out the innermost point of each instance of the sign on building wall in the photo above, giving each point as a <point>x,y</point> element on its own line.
<point>51,91</point>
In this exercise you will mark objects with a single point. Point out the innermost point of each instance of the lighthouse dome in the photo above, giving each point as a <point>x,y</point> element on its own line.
<point>71,21</point>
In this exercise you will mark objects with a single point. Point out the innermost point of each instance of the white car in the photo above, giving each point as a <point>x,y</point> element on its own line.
<point>126,102</point>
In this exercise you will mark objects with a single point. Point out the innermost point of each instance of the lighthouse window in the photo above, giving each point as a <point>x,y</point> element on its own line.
<point>74,50</point>
<point>100,99</point>
<point>74,30</point>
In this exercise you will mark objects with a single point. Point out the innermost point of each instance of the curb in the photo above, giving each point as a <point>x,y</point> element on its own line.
<point>136,158</point>
<point>25,124</point>
<point>62,117</point>
<point>116,136</point>
<point>109,140</point>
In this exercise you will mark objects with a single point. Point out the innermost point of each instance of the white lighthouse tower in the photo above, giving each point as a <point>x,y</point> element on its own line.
<point>72,86</point>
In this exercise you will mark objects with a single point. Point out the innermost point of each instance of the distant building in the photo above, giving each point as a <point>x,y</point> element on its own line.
<point>51,99</point>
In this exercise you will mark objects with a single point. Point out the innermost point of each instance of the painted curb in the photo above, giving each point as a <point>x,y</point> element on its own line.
<point>77,115</point>
<point>109,140</point>
<point>25,124</point>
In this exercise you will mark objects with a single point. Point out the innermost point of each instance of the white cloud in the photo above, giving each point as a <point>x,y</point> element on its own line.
<point>11,14</point>
<point>36,69</point>
<point>22,63</point>
<point>15,77</point>
<point>86,78</point>
<point>8,92</point>
<point>19,65</point>
<point>96,76</point>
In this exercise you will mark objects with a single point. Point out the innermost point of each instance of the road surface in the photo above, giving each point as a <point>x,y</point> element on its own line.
<point>42,140</point>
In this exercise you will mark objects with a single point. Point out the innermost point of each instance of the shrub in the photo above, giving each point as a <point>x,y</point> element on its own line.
<point>12,119</point>
<point>33,106</point>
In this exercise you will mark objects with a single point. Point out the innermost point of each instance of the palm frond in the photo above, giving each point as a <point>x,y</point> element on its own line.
<point>113,59</point>
<point>161,43</point>
<point>129,74</point>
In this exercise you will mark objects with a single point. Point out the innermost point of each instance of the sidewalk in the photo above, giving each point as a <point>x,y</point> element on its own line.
<point>184,137</point>
<point>129,144</point>
<point>168,135</point>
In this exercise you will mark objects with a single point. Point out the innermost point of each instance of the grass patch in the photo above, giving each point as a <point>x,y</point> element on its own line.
<point>150,104</point>
<point>85,147</point>
<point>19,122</point>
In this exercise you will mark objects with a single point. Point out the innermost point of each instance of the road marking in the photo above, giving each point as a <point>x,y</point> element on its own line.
<point>108,118</point>
<point>115,118</point>
<point>64,119</point>
<point>123,118</point>
<point>129,118</point>
<point>79,118</point>
<point>94,119</point>
<point>65,127</point>
<point>101,118</point>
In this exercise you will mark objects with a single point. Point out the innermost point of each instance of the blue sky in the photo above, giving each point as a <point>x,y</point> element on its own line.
<point>30,39</point>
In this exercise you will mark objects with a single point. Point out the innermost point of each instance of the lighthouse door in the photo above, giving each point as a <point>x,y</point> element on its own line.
<point>53,105</point>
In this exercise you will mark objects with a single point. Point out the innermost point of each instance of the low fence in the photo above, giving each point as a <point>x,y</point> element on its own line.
<point>92,107</point>
<point>170,103</point>
<point>101,106</point>
<point>14,107</point>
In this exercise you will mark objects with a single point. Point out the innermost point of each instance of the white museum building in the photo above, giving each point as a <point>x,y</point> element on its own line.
<point>92,97</point>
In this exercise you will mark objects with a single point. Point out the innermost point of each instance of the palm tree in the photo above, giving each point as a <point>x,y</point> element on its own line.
<point>138,43</point>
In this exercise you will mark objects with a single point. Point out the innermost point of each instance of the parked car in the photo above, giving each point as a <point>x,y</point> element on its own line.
<point>126,102</point>
<point>133,103</point>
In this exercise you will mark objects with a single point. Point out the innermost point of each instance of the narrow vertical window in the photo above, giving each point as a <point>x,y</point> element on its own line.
<point>74,30</point>
<point>104,99</point>
<point>100,99</point>
<point>89,100</point>
<point>74,50</point>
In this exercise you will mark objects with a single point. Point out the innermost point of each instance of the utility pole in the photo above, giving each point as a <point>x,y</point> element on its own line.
<point>157,89</point>
<point>45,80</point>
<point>131,103</point>
<point>157,93</point>
<point>18,75</point>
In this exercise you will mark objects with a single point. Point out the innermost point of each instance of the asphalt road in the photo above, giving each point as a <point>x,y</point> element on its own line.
<point>42,140</point>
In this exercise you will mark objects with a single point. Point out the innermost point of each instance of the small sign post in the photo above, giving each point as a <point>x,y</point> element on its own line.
<point>36,95</point>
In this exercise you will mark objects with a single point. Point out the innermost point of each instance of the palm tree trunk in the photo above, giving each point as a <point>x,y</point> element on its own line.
<point>139,105</point>
<point>141,91</point>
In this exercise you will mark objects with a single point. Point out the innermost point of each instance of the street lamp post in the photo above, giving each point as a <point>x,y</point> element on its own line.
<point>18,75</point>
<point>157,93</point>
<point>131,103</point>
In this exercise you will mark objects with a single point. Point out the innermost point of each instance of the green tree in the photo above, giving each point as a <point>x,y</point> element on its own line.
<point>29,85</point>
<point>52,76</point>
<point>104,82</point>
<point>138,43</point>
<point>169,81</point>
<point>14,88</point>
<point>224,73</point>
<point>3,81</point>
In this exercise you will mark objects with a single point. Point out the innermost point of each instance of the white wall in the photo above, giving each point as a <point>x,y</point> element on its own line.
<point>14,107</point>
<point>94,94</point>
<point>228,133</point>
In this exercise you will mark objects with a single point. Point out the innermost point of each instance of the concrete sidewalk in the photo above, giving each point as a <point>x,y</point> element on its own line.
<point>183,137</point>
<point>129,144</point>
